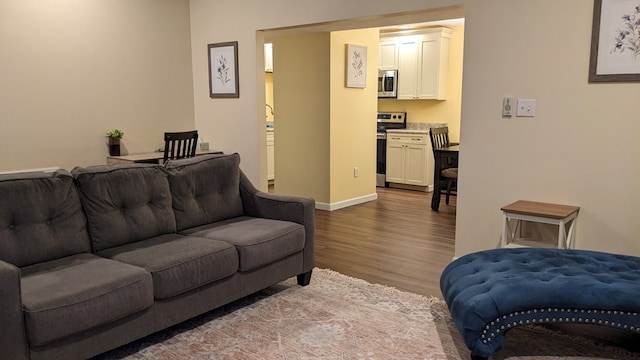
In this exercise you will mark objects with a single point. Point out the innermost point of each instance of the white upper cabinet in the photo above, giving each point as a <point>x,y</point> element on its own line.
<point>422,63</point>
<point>268,57</point>
<point>388,55</point>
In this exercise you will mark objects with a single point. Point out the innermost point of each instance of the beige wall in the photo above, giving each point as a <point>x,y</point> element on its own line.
<point>353,111</point>
<point>582,148</point>
<point>79,68</point>
<point>237,125</point>
<point>436,111</point>
<point>562,155</point>
<point>72,70</point>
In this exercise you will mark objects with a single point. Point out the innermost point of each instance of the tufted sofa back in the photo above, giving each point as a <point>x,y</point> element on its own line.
<point>205,189</point>
<point>125,203</point>
<point>41,218</point>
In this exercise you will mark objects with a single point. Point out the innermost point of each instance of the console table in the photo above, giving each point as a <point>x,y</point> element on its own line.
<point>151,157</point>
<point>564,216</point>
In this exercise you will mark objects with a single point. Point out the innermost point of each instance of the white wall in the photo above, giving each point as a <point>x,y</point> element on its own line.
<point>72,70</point>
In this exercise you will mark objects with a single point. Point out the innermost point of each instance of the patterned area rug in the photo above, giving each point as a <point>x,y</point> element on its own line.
<point>337,317</point>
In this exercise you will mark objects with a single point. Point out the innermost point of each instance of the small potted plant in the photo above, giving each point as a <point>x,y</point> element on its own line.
<point>114,137</point>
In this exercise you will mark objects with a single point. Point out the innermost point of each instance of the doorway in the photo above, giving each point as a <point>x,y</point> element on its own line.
<point>301,138</point>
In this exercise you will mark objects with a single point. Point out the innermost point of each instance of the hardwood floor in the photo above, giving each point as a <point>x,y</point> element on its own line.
<point>396,240</point>
<point>399,241</point>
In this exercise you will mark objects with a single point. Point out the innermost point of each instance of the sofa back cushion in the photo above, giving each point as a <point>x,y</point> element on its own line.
<point>41,218</point>
<point>125,203</point>
<point>205,189</point>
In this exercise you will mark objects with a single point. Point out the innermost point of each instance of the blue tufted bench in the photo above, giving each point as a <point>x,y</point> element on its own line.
<point>490,292</point>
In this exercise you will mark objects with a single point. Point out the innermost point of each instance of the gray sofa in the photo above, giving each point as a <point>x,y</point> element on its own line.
<point>96,258</point>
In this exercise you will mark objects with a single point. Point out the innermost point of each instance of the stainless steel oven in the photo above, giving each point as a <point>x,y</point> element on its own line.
<point>389,120</point>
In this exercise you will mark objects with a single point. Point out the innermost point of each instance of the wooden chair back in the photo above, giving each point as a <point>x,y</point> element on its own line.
<point>439,137</point>
<point>180,145</point>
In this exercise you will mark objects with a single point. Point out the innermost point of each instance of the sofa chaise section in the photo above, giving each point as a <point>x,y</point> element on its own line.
<point>493,291</point>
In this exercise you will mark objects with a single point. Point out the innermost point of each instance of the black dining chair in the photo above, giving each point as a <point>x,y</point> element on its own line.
<point>180,145</point>
<point>448,172</point>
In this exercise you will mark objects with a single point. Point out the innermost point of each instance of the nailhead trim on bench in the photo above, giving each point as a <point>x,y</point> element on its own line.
<point>612,318</point>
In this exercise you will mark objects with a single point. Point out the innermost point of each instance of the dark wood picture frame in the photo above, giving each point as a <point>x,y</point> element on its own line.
<point>597,28</point>
<point>223,70</point>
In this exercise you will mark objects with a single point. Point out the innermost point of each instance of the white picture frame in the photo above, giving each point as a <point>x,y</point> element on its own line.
<point>356,65</point>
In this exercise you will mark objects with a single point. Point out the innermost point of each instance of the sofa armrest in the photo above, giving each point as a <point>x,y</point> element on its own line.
<point>298,209</point>
<point>13,342</point>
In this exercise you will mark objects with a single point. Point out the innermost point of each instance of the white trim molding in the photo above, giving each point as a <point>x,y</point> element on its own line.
<point>346,203</point>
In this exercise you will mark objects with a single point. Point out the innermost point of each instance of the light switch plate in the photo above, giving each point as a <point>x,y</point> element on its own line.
<point>526,108</point>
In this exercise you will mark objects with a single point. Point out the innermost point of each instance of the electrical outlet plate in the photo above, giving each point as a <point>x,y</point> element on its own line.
<point>526,108</point>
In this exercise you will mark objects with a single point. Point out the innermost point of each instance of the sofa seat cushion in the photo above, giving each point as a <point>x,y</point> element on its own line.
<point>259,241</point>
<point>79,292</point>
<point>178,263</point>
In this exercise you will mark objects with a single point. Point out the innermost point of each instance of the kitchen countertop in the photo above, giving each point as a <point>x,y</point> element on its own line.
<point>408,131</point>
<point>417,128</point>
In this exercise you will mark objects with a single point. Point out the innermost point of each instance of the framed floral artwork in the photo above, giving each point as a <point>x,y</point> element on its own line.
<point>223,70</point>
<point>356,76</point>
<point>615,41</point>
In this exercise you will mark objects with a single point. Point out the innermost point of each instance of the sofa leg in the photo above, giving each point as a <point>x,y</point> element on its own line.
<point>477,357</point>
<point>304,278</point>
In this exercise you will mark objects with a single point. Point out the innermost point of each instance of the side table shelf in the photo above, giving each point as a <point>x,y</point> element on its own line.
<point>564,216</point>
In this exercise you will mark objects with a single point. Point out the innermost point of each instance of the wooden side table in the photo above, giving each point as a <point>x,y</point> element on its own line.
<point>564,216</point>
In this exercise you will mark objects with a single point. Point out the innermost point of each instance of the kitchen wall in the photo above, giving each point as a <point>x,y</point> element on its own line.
<point>72,70</point>
<point>301,93</point>
<point>324,130</point>
<point>438,111</point>
<point>268,79</point>
<point>353,113</point>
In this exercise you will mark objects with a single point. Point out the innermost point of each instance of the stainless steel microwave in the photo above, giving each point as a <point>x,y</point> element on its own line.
<point>387,83</point>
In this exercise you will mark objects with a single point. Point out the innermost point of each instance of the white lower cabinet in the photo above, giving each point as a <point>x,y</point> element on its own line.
<point>270,157</point>
<point>409,159</point>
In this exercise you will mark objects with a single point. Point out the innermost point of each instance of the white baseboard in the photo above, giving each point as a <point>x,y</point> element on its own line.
<point>346,203</point>
<point>428,188</point>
